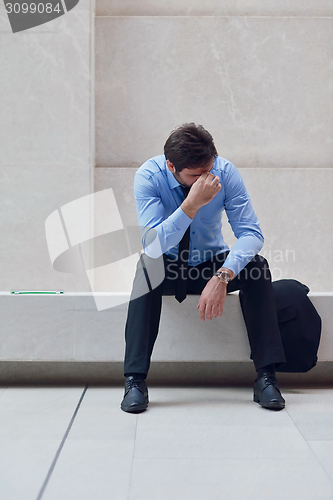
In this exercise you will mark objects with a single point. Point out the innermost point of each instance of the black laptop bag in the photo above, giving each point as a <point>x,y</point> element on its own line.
<point>299,323</point>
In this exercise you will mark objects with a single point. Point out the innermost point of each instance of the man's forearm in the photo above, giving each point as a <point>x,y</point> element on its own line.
<point>189,208</point>
<point>202,191</point>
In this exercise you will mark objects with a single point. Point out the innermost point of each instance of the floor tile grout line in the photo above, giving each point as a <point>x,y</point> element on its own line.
<point>53,464</point>
<point>132,461</point>
<point>74,324</point>
<point>312,452</point>
<point>3,392</point>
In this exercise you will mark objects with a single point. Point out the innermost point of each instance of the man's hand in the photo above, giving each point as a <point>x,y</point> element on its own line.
<point>204,189</point>
<point>212,299</point>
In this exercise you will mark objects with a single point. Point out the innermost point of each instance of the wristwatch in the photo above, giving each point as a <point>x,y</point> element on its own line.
<point>223,276</point>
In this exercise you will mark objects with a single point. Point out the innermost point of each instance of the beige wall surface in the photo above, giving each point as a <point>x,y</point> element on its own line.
<point>259,76</point>
<point>294,210</point>
<point>260,80</point>
<point>46,141</point>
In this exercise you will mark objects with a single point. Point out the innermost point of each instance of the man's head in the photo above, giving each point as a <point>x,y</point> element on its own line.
<point>189,146</point>
<point>190,152</point>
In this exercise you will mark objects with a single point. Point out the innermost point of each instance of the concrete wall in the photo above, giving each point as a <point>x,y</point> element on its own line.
<point>259,76</point>
<point>47,150</point>
<point>294,207</point>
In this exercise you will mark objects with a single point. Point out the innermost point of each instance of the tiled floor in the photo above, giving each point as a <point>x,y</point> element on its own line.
<point>196,443</point>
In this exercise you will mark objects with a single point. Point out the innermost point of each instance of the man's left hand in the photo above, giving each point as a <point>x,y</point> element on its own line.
<point>212,299</point>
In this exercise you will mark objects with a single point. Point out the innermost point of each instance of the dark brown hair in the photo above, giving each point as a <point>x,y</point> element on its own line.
<point>189,146</point>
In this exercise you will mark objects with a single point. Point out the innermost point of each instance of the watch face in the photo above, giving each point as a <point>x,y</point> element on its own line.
<point>224,276</point>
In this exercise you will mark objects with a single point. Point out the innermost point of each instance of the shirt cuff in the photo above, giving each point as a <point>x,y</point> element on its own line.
<point>242,253</point>
<point>180,220</point>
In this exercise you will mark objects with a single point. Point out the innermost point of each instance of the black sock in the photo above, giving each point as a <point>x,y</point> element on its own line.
<point>267,368</point>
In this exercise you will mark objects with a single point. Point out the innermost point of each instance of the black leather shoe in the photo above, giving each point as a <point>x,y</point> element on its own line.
<point>136,395</point>
<point>266,392</point>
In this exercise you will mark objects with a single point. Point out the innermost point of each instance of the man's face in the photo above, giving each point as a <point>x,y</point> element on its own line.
<point>188,176</point>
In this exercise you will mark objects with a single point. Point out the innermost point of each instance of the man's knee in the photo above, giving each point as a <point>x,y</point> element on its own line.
<point>258,269</point>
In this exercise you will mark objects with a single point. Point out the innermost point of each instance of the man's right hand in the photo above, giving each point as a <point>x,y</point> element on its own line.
<point>204,189</point>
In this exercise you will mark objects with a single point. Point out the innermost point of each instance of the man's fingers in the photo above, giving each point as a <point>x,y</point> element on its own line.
<point>210,178</point>
<point>214,311</point>
<point>216,185</point>
<point>201,306</point>
<point>209,310</point>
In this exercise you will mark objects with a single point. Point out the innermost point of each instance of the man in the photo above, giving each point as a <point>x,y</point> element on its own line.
<point>180,197</point>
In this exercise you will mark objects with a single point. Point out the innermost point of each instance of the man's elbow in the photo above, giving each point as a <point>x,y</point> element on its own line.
<point>151,245</point>
<point>153,252</point>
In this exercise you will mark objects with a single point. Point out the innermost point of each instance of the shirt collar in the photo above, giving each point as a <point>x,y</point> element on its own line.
<point>173,183</point>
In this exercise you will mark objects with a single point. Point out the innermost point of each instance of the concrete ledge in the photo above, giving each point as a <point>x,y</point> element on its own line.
<point>64,338</point>
<point>68,327</point>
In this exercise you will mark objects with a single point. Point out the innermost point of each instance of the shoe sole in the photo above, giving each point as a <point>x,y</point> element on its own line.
<point>271,405</point>
<point>134,409</point>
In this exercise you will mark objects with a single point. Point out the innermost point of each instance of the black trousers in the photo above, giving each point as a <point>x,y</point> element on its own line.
<point>256,299</point>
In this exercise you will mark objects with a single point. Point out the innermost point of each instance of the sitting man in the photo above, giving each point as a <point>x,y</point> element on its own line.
<point>181,196</point>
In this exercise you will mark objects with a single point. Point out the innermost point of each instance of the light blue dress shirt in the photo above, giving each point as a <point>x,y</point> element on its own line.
<point>158,198</point>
